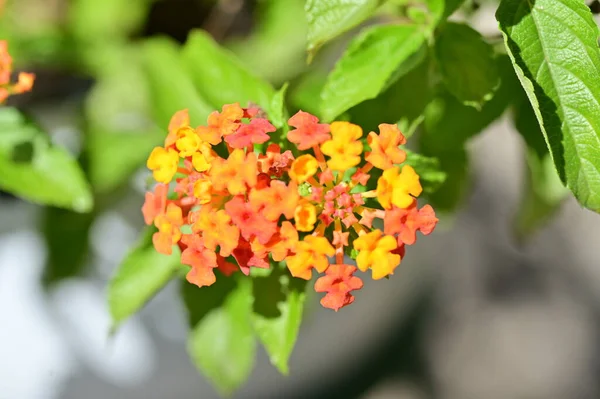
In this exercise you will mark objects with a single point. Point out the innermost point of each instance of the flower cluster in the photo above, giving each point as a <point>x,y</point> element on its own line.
<point>232,201</point>
<point>24,80</point>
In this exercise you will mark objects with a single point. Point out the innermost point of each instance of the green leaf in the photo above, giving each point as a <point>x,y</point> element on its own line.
<point>451,193</point>
<point>449,124</point>
<point>306,91</point>
<point>403,102</point>
<point>116,156</point>
<point>429,170</point>
<point>450,6</point>
<point>221,341</point>
<point>107,20</point>
<point>140,276</point>
<point>171,87</point>
<point>543,192</point>
<point>66,234</point>
<point>276,47</point>
<point>330,18</point>
<point>554,49</point>
<point>367,65</point>
<point>279,114</point>
<point>35,170</point>
<point>278,305</point>
<point>220,77</point>
<point>467,64</point>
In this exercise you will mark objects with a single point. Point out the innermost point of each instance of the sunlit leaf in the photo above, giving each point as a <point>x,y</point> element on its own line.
<point>220,77</point>
<point>554,48</point>
<point>330,18</point>
<point>171,87</point>
<point>34,169</point>
<point>367,65</point>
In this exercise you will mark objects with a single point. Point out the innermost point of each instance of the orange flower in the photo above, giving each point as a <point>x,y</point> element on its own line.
<point>338,282</point>
<point>5,63</point>
<point>234,174</point>
<point>276,200</point>
<point>406,222</point>
<point>253,205</point>
<point>250,222</point>
<point>168,225</point>
<point>287,241</point>
<point>201,259</point>
<point>310,253</point>
<point>216,229</point>
<point>375,253</point>
<point>254,132</point>
<point>163,164</point>
<point>221,124</point>
<point>384,147</point>
<point>155,203</point>
<point>309,132</point>
<point>274,163</point>
<point>24,82</point>
<point>303,168</point>
<point>246,258</point>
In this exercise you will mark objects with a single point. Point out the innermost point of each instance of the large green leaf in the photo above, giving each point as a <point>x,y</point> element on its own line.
<point>220,77</point>
<point>116,156</point>
<point>330,18</point>
<point>139,277</point>
<point>171,87</point>
<point>221,341</point>
<point>32,168</point>
<point>394,105</point>
<point>554,48</point>
<point>449,124</point>
<point>543,192</point>
<point>367,65</point>
<point>276,47</point>
<point>466,63</point>
<point>278,307</point>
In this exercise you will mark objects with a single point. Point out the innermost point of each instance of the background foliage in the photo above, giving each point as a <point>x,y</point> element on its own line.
<point>367,61</point>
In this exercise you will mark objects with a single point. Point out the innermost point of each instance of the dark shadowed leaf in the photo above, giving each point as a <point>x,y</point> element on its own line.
<point>221,340</point>
<point>278,307</point>
<point>140,276</point>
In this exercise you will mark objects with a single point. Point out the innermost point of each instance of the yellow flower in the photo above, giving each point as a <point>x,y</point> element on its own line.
<point>203,191</point>
<point>305,217</point>
<point>375,254</point>
<point>303,168</point>
<point>188,142</point>
<point>398,189</point>
<point>163,164</point>
<point>344,148</point>
<point>312,252</point>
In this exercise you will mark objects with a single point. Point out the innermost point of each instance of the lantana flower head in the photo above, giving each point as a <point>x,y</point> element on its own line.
<point>24,81</point>
<point>250,207</point>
